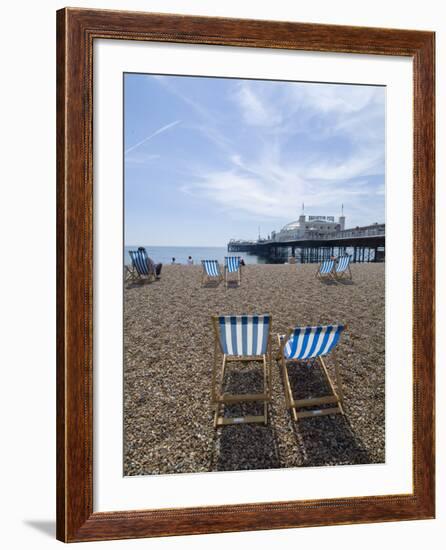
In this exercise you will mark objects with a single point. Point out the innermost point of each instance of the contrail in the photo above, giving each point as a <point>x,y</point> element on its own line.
<point>159,131</point>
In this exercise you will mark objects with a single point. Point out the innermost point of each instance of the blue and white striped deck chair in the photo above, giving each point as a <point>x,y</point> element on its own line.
<point>342,268</point>
<point>241,338</point>
<point>307,345</point>
<point>325,270</point>
<point>140,265</point>
<point>211,271</point>
<point>233,265</point>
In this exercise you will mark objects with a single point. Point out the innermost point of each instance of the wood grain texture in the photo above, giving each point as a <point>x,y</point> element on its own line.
<point>76,31</point>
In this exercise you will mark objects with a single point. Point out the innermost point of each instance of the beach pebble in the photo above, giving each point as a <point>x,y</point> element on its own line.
<point>168,357</point>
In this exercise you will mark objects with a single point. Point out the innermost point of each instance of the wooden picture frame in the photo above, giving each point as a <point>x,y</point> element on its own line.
<point>77,29</point>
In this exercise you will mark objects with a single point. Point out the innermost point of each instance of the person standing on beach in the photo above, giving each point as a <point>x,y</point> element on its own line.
<point>173,261</point>
<point>190,261</point>
<point>151,265</point>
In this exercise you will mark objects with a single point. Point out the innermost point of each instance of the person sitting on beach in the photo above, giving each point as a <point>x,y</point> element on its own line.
<point>242,261</point>
<point>152,266</point>
<point>190,261</point>
<point>173,261</point>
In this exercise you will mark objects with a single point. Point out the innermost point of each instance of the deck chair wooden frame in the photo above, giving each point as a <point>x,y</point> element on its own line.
<point>325,275</point>
<point>345,273</point>
<point>130,273</point>
<point>206,277</point>
<point>219,399</point>
<point>299,407</point>
<point>227,273</point>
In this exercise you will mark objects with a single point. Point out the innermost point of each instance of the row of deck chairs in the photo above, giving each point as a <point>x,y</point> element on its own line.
<point>247,338</point>
<point>335,270</point>
<point>212,271</point>
<point>141,271</point>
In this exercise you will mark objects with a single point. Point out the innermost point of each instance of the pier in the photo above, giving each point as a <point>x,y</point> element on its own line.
<point>363,244</point>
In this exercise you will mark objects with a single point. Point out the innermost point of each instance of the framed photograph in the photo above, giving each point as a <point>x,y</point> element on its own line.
<point>245,275</point>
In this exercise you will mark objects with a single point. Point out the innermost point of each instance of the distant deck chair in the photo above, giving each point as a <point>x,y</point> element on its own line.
<point>307,345</point>
<point>211,271</point>
<point>142,272</point>
<point>241,338</point>
<point>325,270</point>
<point>233,265</point>
<point>342,268</point>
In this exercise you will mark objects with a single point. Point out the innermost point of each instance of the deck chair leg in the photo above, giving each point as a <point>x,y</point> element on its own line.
<point>330,383</point>
<point>216,415</point>
<point>288,390</point>
<point>266,383</point>
<point>223,371</point>
<point>340,392</point>
<point>214,395</point>
<point>270,369</point>
<point>220,406</point>
<point>284,382</point>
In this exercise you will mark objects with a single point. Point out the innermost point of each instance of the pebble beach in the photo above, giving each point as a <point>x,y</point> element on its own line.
<point>168,359</point>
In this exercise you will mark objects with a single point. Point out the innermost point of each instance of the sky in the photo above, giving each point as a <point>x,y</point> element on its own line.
<point>211,159</point>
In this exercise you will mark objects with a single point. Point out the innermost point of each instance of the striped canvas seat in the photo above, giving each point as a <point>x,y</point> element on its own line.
<point>325,270</point>
<point>211,267</point>
<point>326,267</point>
<point>232,263</point>
<point>139,260</point>
<point>244,334</point>
<point>211,272</point>
<point>342,269</point>
<point>310,342</point>
<point>343,264</point>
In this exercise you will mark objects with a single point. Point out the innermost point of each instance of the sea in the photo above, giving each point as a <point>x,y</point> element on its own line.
<point>164,254</point>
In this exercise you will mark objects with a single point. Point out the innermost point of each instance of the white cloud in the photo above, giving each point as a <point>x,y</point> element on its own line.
<point>356,112</point>
<point>255,110</point>
<point>261,177</point>
<point>235,191</point>
<point>271,189</point>
<point>362,163</point>
<point>336,98</point>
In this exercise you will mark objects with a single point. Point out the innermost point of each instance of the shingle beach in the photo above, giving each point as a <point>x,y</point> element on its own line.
<point>168,357</point>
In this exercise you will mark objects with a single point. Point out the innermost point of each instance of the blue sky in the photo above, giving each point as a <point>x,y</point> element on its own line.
<point>210,159</point>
